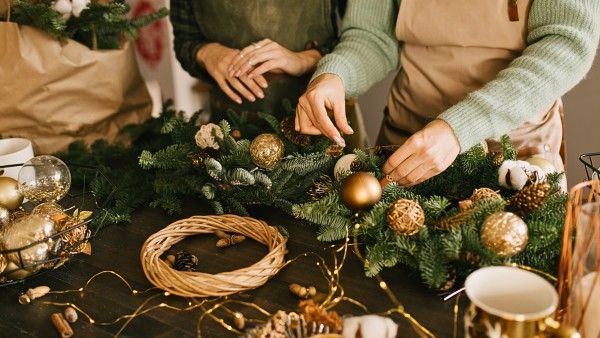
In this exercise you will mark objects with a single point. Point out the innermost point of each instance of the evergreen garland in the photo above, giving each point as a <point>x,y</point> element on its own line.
<point>440,255</point>
<point>99,26</point>
<point>160,168</point>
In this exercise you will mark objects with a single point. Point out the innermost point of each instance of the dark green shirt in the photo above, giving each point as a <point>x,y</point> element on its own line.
<point>236,24</point>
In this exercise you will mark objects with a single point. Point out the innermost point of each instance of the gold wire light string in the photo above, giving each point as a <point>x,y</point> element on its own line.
<point>107,272</point>
<point>455,310</point>
<point>418,327</point>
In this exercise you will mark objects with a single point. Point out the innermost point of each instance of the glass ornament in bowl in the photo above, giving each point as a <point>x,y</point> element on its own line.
<point>44,178</point>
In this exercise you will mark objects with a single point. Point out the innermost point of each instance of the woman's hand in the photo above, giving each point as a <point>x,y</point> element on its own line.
<point>215,58</point>
<point>425,154</point>
<point>325,92</point>
<point>269,56</point>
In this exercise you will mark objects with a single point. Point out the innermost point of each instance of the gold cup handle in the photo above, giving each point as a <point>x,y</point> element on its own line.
<point>553,329</point>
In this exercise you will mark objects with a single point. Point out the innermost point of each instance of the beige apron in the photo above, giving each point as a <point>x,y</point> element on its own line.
<point>452,48</point>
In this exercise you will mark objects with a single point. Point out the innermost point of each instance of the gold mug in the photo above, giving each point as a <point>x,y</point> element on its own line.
<point>508,302</point>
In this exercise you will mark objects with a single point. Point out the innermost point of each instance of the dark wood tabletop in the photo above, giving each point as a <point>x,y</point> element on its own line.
<point>117,248</point>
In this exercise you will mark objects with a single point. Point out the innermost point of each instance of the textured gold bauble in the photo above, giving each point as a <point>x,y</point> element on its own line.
<point>406,217</point>
<point>360,191</point>
<point>3,263</point>
<point>10,196</point>
<point>483,193</point>
<point>23,232</point>
<point>266,150</point>
<point>504,233</point>
<point>4,216</point>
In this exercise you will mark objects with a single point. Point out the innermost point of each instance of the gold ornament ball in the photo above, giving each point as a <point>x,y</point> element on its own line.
<point>406,217</point>
<point>266,150</point>
<point>10,196</point>
<point>505,234</point>
<point>23,232</point>
<point>49,210</point>
<point>360,191</point>
<point>543,163</point>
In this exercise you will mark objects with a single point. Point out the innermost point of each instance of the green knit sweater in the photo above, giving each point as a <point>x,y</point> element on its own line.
<point>562,40</point>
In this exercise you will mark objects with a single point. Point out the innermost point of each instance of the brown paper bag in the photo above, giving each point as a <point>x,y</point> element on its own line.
<point>54,93</point>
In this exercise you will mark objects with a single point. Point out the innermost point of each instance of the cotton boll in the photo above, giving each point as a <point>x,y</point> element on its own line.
<point>517,178</point>
<point>371,326</point>
<point>78,6</point>
<point>538,173</point>
<point>63,7</point>
<point>503,172</point>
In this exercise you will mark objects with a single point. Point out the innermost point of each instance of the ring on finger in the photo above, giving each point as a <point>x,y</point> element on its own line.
<point>256,45</point>
<point>251,62</point>
<point>390,178</point>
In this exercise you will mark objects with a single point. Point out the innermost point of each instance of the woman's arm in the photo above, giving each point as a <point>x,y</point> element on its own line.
<point>188,38</point>
<point>562,41</point>
<point>368,48</point>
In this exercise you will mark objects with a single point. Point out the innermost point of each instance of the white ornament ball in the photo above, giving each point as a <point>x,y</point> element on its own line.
<point>64,7</point>
<point>372,326</point>
<point>207,136</point>
<point>542,163</point>
<point>78,6</point>
<point>343,165</point>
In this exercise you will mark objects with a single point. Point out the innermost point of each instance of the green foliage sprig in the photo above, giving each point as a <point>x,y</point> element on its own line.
<point>99,25</point>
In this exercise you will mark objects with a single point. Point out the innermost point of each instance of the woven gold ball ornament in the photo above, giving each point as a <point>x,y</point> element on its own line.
<point>483,193</point>
<point>10,196</point>
<point>504,233</point>
<point>360,191</point>
<point>406,217</point>
<point>266,150</point>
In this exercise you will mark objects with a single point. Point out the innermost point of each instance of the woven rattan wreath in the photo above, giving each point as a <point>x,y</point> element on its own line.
<point>198,284</point>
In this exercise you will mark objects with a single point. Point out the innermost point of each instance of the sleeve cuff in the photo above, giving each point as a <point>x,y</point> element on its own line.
<point>329,64</point>
<point>469,124</point>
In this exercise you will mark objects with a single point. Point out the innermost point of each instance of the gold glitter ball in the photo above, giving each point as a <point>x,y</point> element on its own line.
<point>406,217</point>
<point>266,150</point>
<point>505,234</point>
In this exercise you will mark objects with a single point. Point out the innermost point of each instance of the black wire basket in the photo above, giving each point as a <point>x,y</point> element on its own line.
<point>14,265</point>
<point>591,163</point>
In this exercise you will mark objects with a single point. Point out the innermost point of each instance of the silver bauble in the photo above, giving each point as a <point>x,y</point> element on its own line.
<point>25,231</point>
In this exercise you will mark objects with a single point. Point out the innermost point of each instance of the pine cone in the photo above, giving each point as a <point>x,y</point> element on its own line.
<point>470,257</point>
<point>529,198</point>
<point>385,151</point>
<point>453,222</point>
<point>357,166</point>
<point>321,187</point>
<point>498,159</point>
<point>198,159</point>
<point>334,150</point>
<point>185,261</point>
<point>288,129</point>
<point>450,281</point>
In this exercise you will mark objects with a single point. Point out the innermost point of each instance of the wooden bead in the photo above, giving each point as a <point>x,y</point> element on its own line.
<point>70,314</point>
<point>61,325</point>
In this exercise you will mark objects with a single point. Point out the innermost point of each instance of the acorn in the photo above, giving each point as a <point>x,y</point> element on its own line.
<point>302,291</point>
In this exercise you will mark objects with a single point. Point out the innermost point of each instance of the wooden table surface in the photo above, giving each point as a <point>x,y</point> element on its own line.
<point>117,248</point>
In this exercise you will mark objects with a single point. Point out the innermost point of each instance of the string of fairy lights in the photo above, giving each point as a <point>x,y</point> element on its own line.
<point>210,307</point>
